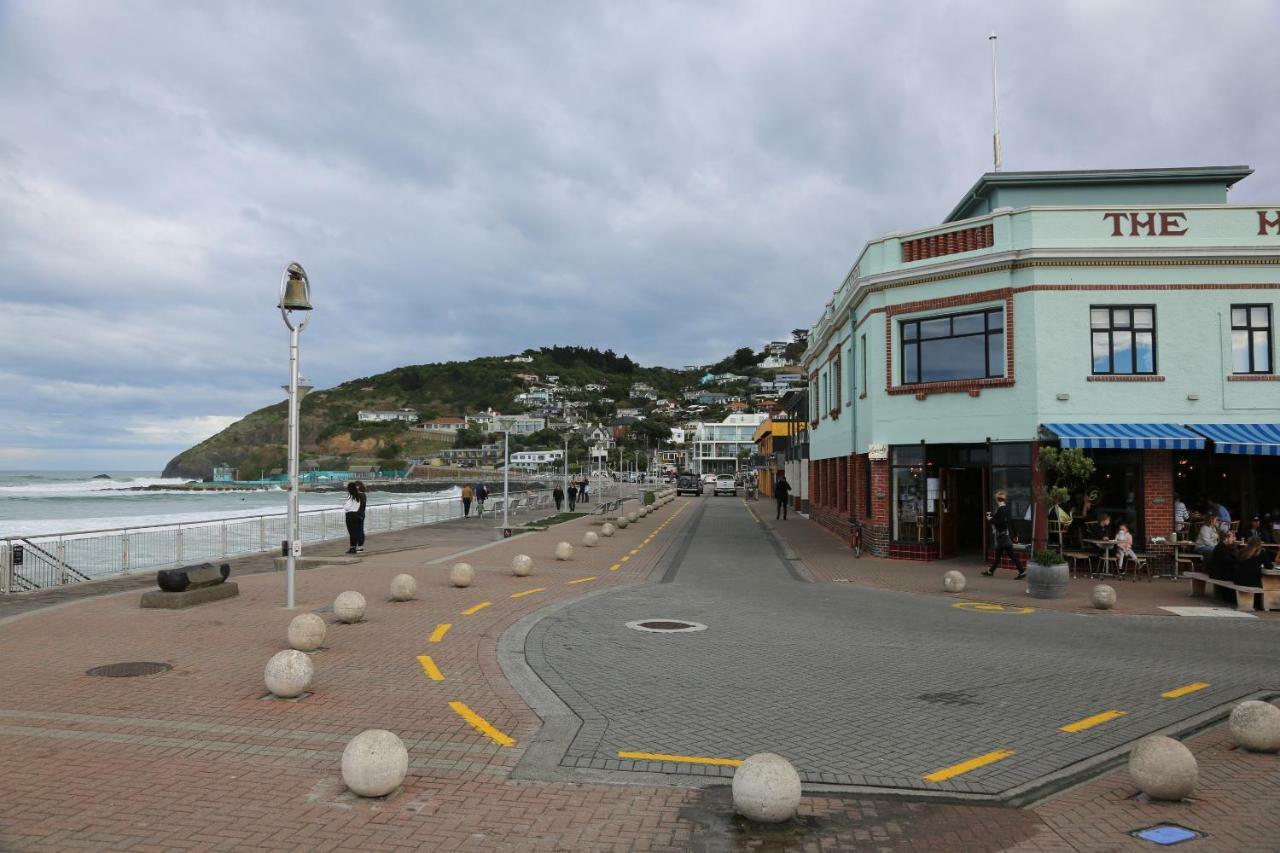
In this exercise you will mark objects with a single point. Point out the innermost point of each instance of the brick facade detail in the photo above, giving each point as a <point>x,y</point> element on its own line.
<point>1157,508</point>
<point>950,243</point>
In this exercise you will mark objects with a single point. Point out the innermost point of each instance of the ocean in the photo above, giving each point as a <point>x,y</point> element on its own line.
<point>35,503</point>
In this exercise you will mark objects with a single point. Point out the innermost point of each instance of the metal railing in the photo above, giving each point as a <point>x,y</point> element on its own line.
<point>30,563</point>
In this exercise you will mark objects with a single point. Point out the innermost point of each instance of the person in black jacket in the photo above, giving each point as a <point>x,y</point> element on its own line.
<point>557,494</point>
<point>1004,540</point>
<point>781,493</point>
<point>573,496</point>
<point>1221,564</point>
<point>1253,558</point>
<point>354,507</point>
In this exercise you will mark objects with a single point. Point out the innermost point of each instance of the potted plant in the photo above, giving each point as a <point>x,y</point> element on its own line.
<point>1062,470</point>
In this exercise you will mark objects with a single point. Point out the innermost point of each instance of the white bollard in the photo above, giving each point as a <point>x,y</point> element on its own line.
<point>564,551</point>
<point>461,575</point>
<point>607,530</point>
<point>306,632</point>
<point>403,587</point>
<point>374,763</point>
<point>766,788</point>
<point>522,565</point>
<point>1255,726</point>
<point>1104,597</point>
<point>953,581</point>
<point>349,607</point>
<point>1163,768</point>
<point>590,539</point>
<point>288,673</point>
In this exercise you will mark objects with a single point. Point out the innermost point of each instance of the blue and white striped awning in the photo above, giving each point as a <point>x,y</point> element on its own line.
<point>1242,439</point>
<point>1127,436</point>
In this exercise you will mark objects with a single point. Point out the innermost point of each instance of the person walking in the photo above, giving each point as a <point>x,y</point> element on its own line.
<point>482,495</point>
<point>573,496</point>
<point>557,495</point>
<point>353,513</point>
<point>782,494</point>
<point>1004,541</point>
<point>582,492</point>
<point>468,495</point>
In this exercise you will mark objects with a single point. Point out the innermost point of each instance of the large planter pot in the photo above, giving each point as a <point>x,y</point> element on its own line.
<point>1047,581</point>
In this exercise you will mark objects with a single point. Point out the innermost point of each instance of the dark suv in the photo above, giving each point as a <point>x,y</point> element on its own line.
<point>689,484</point>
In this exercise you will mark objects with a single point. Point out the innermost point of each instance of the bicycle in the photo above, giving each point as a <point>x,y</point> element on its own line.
<point>855,537</point>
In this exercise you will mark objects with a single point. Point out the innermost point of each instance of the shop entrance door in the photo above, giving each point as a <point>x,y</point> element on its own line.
<point>960,516</point>
<point>947,527</point>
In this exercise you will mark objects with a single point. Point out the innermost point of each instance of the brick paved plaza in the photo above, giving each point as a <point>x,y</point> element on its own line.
<point>829,673</point>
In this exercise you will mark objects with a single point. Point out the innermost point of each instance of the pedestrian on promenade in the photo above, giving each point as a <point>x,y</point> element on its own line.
<point>557,494</point>
<point>482,495</point>
<point>781,493</point>
<point>353,513</point>
<point>573,496</point>
<point>468,494</point>
<point>582,492</point>
<point>1004,541</point>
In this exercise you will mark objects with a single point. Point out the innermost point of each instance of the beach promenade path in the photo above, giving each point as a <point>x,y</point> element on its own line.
<point>198,758</point>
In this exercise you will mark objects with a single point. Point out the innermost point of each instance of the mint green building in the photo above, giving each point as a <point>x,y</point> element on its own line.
<point>1127,312</point>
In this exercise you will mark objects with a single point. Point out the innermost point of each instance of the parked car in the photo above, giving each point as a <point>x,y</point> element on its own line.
<point>725,485</point>
<point>709,479</point>
<point>688,484</point>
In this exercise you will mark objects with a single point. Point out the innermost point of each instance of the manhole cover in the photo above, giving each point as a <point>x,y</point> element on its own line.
<point>666,626</point>
<point>130,669</point>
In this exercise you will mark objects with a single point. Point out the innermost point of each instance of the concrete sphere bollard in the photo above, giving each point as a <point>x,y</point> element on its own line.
<point>1256,726</point>
<point>1104,597</point>
<point>461,575</point>
<point>374,763</point>
<point>288,673</point>
<point>766,788</point>
<point>623,521</point>
<point>564,551</point>
<point>607,530</point>
<point>403,587</point>
<point>306,632</point>
<point>1163,768</point>
<point>953,581</point>
<point>590,539</point>
<point>349,607</point>
<point>633,517</point>
<point>522,565</point>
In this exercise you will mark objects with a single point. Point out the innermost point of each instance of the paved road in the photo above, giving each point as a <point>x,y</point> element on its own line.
<point>868,687</point>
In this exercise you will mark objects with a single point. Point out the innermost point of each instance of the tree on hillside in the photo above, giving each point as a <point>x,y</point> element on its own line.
<point>469,436</point>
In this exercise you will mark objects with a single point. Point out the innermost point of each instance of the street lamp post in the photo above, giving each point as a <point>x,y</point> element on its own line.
<point>506,482</point>
<point>295,295</point>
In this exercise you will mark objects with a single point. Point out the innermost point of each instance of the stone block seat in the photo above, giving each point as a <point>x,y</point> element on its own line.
<point>1245,595</point>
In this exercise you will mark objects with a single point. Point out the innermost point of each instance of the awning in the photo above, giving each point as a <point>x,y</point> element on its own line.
<point>1127,436</point>
<point>1242,439</point>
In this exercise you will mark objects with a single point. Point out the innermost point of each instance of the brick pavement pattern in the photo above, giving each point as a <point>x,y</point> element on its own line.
<point>198,759</point>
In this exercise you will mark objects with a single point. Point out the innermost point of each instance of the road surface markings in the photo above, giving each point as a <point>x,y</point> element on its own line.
<point>984,607</point>
<point>438,634</point>
<point>634,551</point>
<point>625,557</point>
<point>481,606</point>
<point>481,725</point>
<point>1185,689</point>
<point>528,592</point>
<point>615,567</point>
<point>429,667</point>
<point>682,759</point>
<point>965,766</point>
<point>1090,722</point>
<point>581,580</point>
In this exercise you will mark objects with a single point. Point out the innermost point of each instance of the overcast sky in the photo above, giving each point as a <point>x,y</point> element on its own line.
<point>672,180</point>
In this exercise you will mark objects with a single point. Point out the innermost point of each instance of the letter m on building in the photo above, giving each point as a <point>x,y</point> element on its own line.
<point>1268,222</point>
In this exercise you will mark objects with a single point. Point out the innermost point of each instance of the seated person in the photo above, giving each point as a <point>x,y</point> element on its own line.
<point>1207,538</point>
<point>1179,513</point>
<point>1105,528</point>
<point>1221,564</point>
<point>1222,513</point>
<point>1260,530</point>
<point>1124,548</point>
<point>1253,558</point>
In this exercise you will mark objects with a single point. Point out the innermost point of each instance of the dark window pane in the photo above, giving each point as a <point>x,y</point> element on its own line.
<point>995,319</point>
<point>995,354</point>
<point>1144,352</point>
<point>1240,317</point>
<point>1240,351</point>
<point>968,324</point>
<point>1101,353</point>
<point>910,331</point>
<point>952,358</point>
<point>910,367</point>
<point>1100,318</point>
<point>907,454</point>
<point>1261,351</point>
<point>1122,352</point>
<point>935,328</point>
<point>1011,454</point>
<point>1260,317</point>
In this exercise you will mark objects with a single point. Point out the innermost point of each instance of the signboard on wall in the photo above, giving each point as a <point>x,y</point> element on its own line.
<point>877,452</point>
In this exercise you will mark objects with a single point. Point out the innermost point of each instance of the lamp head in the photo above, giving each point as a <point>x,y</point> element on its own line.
<point>295,289</point>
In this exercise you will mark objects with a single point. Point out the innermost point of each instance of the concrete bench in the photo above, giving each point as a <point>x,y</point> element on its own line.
<point>606,507</point>
<point>1270,589</point>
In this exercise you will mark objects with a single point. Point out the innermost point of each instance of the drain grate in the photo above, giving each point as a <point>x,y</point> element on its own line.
<point>132,669</point>
<point>666,626</point>
<point>959,697</point>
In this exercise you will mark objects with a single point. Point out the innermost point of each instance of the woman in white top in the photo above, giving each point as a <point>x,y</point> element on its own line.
<point>1208,538</point>
<point>353,507</point>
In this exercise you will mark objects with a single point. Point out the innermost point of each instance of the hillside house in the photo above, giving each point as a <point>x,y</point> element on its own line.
<point>377,416</point>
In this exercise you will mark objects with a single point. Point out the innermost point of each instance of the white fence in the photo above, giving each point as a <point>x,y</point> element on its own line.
<point>38,562</point>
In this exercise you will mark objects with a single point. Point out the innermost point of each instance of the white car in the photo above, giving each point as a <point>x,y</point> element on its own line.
<point>725,485</point>
<point>709,479</point>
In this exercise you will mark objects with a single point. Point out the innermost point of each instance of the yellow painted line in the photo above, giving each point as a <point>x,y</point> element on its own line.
<point>1185,689</point>
<point>430,668</point>
<point>582,580</point>
<point>683,759</point>
<point>965,766</point>
<point>615,567</point>
<point>1090,722</point>
<point>481,606</point>
<point>438,634</point>
<point>625,557</point>
<point>982,607</point>
<point>529,592</point>
<point>481,725</point>
<point>634,551</point>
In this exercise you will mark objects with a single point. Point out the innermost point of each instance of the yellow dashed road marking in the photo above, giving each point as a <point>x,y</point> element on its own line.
<point>582,580</point>
<point>615,567</point>
<point>438,634</point>
<point>1090,722</point>
<point>965,766</point>
<point>529,592</point>
<point>481,725</point>
<point>634,551</point>
<point>1185,689</point>
<point>625,558</point>
<point>430,668</point>
<point>481,606</point>
<point>683,759</point>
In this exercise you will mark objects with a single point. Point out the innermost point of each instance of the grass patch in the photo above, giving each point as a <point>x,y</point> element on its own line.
<point>552,520</point>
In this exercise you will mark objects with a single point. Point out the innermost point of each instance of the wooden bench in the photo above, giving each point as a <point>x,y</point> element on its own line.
<point>606,507</point>
<point>1270,589</point>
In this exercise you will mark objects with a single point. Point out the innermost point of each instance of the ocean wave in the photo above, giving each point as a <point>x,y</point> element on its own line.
<point>81,488</point>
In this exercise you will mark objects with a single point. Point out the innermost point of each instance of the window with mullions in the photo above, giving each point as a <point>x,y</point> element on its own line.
<point>1251,339</point>
<point>959,346</point>
<point>1124,338</point>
